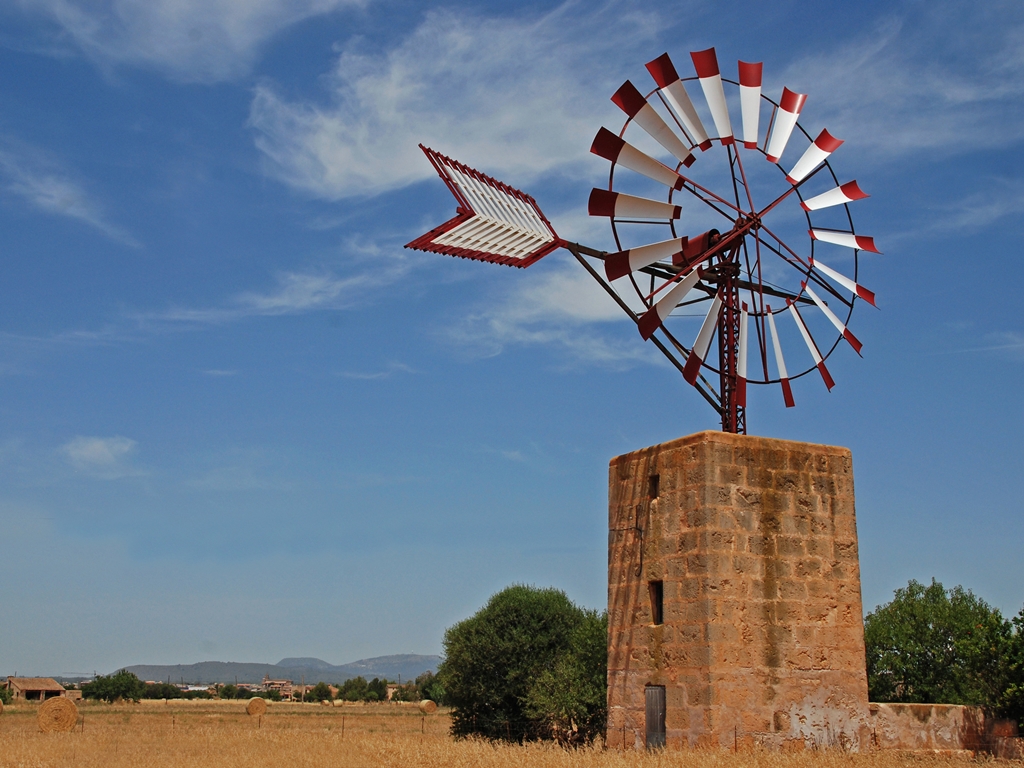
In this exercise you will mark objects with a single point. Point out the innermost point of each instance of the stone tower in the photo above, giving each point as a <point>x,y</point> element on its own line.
<point>734,607</point>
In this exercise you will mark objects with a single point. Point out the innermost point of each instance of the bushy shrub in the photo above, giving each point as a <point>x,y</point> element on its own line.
<point>936,646</point>
<point>528,665</point>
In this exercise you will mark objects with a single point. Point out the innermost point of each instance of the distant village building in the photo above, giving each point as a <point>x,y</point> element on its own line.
<point>34,688</point>
<point>284,687</point>
<point>391,688</point>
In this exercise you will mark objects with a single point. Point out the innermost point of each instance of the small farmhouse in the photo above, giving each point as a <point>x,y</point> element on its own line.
<point>34,688</point>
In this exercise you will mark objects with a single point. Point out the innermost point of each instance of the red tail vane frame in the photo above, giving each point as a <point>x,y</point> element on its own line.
<point>494,222</point>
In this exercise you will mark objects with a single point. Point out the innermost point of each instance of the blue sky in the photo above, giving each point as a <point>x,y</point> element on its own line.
<point>238,421</point>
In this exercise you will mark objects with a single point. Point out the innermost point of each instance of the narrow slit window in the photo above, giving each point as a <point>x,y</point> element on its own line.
<point>653,483</point>
<point>657,590</point>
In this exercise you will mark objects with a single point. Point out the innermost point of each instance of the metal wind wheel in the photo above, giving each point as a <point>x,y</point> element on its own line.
<point>716,246</point>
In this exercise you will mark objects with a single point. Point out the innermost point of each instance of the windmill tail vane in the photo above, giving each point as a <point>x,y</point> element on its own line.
<point>734,273</point>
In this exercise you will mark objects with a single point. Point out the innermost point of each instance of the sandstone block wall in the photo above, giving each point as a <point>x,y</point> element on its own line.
<point>754,542</point>
<point>928,727</point>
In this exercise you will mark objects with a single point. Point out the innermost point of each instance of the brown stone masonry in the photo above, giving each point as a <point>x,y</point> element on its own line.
<point>747,547</point>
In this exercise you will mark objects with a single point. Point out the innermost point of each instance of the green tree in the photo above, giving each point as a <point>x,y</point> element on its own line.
<point>933,646</point>
<point>162,691</point>
<point>5,695</point>
<point>377,689</point>
<point>570,698</point>
<point>353,689</point>
<point>428,686</point>
<point>228,691</point>
<point>1011,703</point>
<point>120,685</point>
<point>319,692</point>
<point>494,659</point>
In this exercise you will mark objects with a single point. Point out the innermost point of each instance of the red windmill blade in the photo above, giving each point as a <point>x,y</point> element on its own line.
<point>750,101</point>
<point>785,121</point>
<point>695,359</point>
<point>611,147</point>
<point>815,155</point>
<point>840,195</point>
<point>710,76</point>
<point>672,88</point>
<point>819,363</point>
<point>780,361</point>
<point>494,222</point>
<point>632,102</point>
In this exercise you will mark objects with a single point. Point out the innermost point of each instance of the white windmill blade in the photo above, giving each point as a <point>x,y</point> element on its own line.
<point>750,101</point>
<point>620,264</point>
<point>652,319</point>
<point>632,102</point>
<point>741,359</point>
<point>785,120</point>
<point>700,347</point>
<point>845,239</point>
<point>819,362</point>
<point>710,76</point>
<point>618,205</point>
<point>840,326</point>
<point>664,73</point>
<point>683,251</point>
<point>843,280</point>
<point>780,363</point>
<point>845,193</point>
<point>815,155</point>
<point>619,151</point>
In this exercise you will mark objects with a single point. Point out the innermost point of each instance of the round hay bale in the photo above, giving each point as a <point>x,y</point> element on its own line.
<point>325,703</point>
<point>1,707</point>
<point>256,706</point>
<point>57,715</point>
<point>428,707</point>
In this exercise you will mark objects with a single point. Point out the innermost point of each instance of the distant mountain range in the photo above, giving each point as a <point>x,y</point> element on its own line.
<point>404,666</point>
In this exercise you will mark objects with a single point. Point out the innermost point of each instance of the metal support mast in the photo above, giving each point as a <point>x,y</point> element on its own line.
<point>734,417</point>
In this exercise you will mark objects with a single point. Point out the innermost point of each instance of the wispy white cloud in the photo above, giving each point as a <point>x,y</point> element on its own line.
<point>518,96</point>
<point>563,308</point>
<point>107,458</point>
<point>1000,198</point>
<point>522,96</point>
<point>29,174</point>
<point>388,372</point>
<point>996,200</point>
<point>187,40</point>
<point>1007,344</point>
<point>295,293</point>
<point>943,77</point>
<point>220,372</point>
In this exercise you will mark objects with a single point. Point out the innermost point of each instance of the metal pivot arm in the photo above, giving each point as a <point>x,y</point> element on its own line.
<point>579,251</point>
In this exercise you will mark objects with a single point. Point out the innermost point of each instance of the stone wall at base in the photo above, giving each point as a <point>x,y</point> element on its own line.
<point>943,728</point>
<point>927,727</point>
<point>754,544</point>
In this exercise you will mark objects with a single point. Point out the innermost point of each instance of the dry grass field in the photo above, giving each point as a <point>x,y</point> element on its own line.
<point>215,734</point>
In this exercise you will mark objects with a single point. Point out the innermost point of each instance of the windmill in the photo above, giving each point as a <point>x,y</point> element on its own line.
<point>765,254</point>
